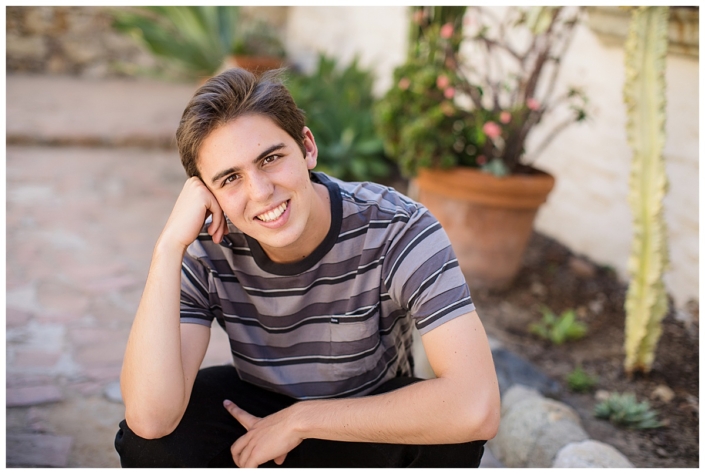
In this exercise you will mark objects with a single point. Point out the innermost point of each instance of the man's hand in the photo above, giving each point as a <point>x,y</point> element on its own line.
<point>194,205</point>
<point>266,438</point>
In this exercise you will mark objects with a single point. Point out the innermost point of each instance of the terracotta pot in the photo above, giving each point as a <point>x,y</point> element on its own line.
<point>256,64</point>
<point>488,219</point>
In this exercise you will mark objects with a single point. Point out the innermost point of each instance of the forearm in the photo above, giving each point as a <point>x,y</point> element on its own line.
<point>152,378</point>
<point>436,411</point>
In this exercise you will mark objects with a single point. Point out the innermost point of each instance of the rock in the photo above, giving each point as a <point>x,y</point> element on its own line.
<point>512,369</point>
<point>538,289</point>
<point>113,392</point>
<point>525,432</point>
<point>663,393</point>
<point>552,439</point>
<point>590,454</point>
<point>26,47</point>
<point>38,450</point>
<point>596,305</point>
<point>602,395</point>
<point>517,393</point>
<point>581,267</point>
<point>488,460</point>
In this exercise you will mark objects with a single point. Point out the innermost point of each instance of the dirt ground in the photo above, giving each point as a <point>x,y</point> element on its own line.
<point>554,277</point>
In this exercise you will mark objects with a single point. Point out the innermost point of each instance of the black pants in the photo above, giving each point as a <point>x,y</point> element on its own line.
<point>206,432</point>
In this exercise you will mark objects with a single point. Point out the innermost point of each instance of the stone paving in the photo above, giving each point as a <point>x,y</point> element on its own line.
<point>81,224</point>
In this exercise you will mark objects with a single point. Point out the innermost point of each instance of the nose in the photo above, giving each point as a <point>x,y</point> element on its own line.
<point>260,186</point>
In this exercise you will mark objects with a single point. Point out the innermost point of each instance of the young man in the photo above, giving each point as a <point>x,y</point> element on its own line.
<point>317,283</point>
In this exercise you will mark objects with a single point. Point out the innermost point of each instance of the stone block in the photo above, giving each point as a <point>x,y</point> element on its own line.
<point>113,392</point>
<point>512,369</point>
<point>524,424</point>
<point>26,396</point>
<point>25,47</point>
<point>103,374</point>
<point>16,317</point>
<point>552,440</point>
<point>38,450</point>
<point>590,454</point>
<point>103,354</point>
<point>32,359</point>
<point>517,393</point>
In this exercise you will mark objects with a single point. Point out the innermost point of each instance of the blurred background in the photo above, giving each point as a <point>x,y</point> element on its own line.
<point>94,96</point>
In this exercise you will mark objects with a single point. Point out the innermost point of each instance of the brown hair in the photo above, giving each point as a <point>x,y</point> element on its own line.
<point>232,94</point>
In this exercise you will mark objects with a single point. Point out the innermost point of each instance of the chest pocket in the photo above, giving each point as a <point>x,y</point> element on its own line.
<point>355,345</point>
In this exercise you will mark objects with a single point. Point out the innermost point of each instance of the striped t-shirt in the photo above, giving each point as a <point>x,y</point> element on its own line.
<point>339,322</point>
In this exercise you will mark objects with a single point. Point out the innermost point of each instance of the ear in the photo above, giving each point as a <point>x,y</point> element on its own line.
<point>311,156</point>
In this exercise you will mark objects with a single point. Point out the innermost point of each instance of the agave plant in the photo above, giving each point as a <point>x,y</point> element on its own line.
<point>624,410</point>
<point>195,39</point>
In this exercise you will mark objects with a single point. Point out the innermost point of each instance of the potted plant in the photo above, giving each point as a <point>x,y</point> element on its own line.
<point>258,48</point>
<point>200,41</point>
<point>458,122</point>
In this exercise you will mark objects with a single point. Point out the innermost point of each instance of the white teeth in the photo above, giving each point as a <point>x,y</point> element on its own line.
<point>273,214</point>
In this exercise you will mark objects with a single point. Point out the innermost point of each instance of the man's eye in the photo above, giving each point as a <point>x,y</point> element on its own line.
<point>270,159</point>
<point>229,179</point>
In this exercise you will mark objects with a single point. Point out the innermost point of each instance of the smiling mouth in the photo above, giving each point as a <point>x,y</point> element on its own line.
<point>274,214</point>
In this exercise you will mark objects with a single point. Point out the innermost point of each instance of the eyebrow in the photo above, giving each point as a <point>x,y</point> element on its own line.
<point>261,156</point>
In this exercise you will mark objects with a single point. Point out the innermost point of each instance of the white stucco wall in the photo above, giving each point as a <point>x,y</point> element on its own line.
<point>377,34</point>
<point>588,209</point>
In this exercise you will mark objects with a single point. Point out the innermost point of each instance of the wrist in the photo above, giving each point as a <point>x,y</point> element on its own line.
<point>301,419</point>
<point>166,247</point>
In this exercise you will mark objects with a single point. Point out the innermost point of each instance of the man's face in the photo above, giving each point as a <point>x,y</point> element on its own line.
<point>260,178</point>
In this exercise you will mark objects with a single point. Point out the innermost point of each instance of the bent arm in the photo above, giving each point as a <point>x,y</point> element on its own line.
<point>162,356</point>
<point>460,405</point>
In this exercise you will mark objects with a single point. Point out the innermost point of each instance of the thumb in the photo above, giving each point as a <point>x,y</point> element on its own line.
<point>240,415</point>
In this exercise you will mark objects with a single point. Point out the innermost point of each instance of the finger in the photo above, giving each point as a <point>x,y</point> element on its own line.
<point>217,221</point>
<point>280,459</point>
<point>240,415</point>
<point>246,457</point>
<point>237,448</point>
<point>221,230</point>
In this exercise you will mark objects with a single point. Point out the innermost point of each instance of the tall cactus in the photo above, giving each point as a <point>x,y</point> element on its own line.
<point>644,94</point>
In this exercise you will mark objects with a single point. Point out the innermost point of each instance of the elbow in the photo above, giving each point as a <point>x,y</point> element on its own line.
<point>482,420</point>
<point>150,427</point>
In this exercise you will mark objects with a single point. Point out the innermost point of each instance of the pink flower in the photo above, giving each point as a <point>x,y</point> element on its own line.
<point>419,16</point>
<point>442,82</point>
<point>449,92</point>
<point>505,117</point>
<point>404,83</point>
<point>492,130</point>
<point>532,103</point>
<point>481,160</point>
<point>447,30</point>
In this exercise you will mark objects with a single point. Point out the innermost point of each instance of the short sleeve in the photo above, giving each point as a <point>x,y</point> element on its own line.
<point>195,306</point>
<point>422,274</point>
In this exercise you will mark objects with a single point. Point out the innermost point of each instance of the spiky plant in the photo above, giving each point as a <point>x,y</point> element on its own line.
<point>624,410</point>
<point>646,303</point>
